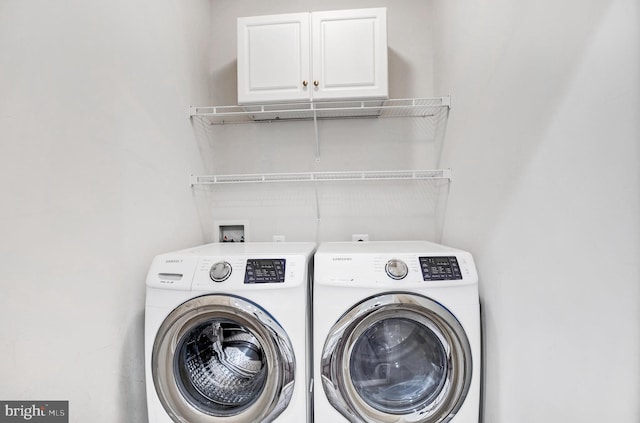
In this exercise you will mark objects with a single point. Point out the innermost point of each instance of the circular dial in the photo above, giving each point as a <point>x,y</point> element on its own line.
<point>396,269</point>
<point>220,271</point>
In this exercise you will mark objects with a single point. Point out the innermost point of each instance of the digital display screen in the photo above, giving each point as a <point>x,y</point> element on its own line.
<point>440,268</point>
<point>265,271</point>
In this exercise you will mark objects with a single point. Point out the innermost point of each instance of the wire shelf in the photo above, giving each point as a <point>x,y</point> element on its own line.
<point>392,108</point>
<point>322,176</point>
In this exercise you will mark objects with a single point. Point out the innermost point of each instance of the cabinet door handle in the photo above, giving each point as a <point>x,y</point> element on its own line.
<point>305,83</point>
<point>316,83</point>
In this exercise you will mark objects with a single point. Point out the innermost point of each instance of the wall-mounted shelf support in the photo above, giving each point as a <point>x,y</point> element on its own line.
<point>317,136</point>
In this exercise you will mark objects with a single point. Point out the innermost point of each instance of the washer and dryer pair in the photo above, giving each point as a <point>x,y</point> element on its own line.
<point>390,333</point>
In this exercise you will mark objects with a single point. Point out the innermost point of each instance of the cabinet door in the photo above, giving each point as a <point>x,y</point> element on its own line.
<point>273,58</point>
<point>349,54</point>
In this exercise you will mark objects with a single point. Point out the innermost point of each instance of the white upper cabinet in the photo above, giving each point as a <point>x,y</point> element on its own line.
<point>273,58</point>
<point>313,56</point>
<point>349,54</point>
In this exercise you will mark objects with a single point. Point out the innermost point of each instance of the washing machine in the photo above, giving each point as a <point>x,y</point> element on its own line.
<point>227,334</point>
<point>396,333</point>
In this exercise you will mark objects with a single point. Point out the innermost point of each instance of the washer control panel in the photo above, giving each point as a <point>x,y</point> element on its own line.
<point>265,271</point>
<point>440,268</point>
<point>249,272</point>
<point>233,267</point>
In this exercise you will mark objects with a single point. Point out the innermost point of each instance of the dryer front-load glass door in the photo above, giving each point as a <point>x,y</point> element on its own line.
<point>397,355</point>
<point>397,363</point>
<point>222,358</point>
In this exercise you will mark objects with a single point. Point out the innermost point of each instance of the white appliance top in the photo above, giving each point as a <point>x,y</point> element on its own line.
<point>377,247</point>
<point>255,248</point>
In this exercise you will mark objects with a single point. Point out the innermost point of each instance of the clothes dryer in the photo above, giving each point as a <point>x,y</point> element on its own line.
<point>396,333</point>
<point>227,333</point>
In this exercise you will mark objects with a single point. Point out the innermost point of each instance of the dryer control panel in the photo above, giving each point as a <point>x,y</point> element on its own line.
<point>393,265</point>
<point>440,268</point>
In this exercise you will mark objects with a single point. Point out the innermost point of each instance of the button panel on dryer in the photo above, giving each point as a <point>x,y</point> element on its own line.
<point>440,268</point>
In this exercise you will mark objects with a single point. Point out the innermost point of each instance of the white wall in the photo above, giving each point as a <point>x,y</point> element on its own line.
<point>544,140</point>
<point>95,153</point>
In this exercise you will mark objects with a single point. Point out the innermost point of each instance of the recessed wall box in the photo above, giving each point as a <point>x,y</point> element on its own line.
<point>231,231</point>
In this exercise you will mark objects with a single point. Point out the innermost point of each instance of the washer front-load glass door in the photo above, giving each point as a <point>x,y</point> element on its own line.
<point>221,367</point>
<point>222,358</point>
<point>398,357</point>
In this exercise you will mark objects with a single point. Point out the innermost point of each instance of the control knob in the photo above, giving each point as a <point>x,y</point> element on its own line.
<point>220,271</point>
<point>396,269</point>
